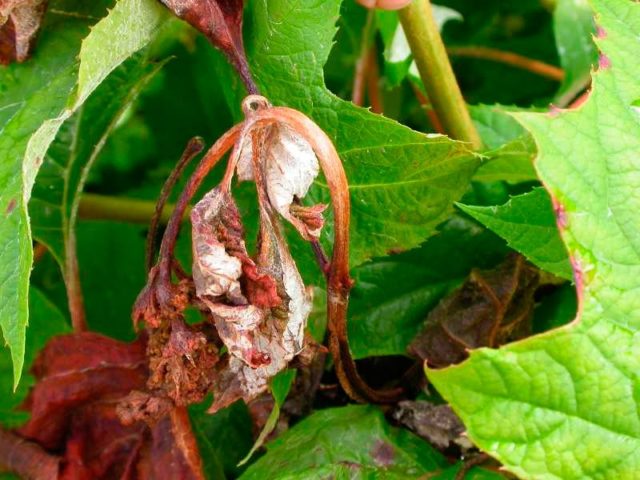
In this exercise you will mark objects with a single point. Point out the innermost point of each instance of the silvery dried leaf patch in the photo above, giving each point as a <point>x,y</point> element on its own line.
<point>291,166</point>
<point>259,308</point>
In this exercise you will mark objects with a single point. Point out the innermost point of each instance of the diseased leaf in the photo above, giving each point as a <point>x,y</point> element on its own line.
<point>435,423</point>
<point>490,309</point>
<point>221,22</point>
<point>564,404</point>
<point>19,25</point>
<point>393,295</point>
<point>368,447</point>
<point>412,177</point>
<point>528,225</point>
<point>42,107</point>
<point>75,409</point>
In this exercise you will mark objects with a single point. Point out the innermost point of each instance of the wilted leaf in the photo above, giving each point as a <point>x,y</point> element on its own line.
<point>528,225</point>
<point>435,423</point>
<point>19,25</point>
<point>75,410</point>
<point>221,22</point>
<point>412,177</point>
<point>571,392</point>
<point>491,308</point>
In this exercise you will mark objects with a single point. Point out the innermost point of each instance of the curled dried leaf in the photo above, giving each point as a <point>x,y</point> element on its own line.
<point>19,25</point>
<point>290,166</point>
<point>491,308</point>
<point>221,22</point>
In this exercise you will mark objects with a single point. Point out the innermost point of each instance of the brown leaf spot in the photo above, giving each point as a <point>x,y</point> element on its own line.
<point>383,453</point>
<point>10,207</point>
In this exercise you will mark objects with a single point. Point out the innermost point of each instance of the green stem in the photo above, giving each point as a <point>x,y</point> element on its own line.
<point>102,207</point>
<point>436,73</point>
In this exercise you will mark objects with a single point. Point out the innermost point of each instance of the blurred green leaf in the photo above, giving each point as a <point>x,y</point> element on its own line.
<point>279,386</point>
<point>528,224</point>
<point>228,433</point>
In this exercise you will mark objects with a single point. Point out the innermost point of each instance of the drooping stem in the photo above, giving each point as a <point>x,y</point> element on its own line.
<point>436,73</point>
<point>193,148</point>
<point>338,280</point>
<point>210,159</point>
<point>26,459</point>
<point>509,58</point>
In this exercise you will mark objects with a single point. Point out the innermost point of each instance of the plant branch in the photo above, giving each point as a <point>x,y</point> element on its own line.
<point>360,74</point>
<point>26,459</point>
<point>436,72</point>
<point>509,58</point>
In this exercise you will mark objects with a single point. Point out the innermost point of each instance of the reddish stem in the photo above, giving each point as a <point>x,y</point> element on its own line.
<point>339,282</point>
<point>74,287</point>
<point>211,158</point>
<point>26,459</point>
<point>193,148</point>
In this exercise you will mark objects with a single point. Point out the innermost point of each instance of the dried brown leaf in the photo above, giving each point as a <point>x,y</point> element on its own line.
<point>221,22</point>
<point>19,25</point>
<point>491,308</point>
<point>82,380</point>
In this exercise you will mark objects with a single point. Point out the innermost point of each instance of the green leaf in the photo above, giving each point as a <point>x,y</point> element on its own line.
<point>574,27</point>
<point>41,106</point>
<point>412,177</point>
<point>56,194</point>
<point>46,321</point>
<point>227,432</point>
<point>368,447</point>
<point>279,386</point>
<point>564,404</point>
<point>528,225</point>
<point>392,296</point>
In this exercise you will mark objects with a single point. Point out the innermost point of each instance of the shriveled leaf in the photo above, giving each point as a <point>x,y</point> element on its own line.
<point>291,167</point>
<point>31,125</point>
<point>412,177</point>
<point>74,406</point>
<point>435,423</point>
<point>571,391</point>
<point>221,22</point>
<point>19,25</point>
<point>393,295</point>
<point>527,223</point>
<point>262,321</point>
<point>491,308</point>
